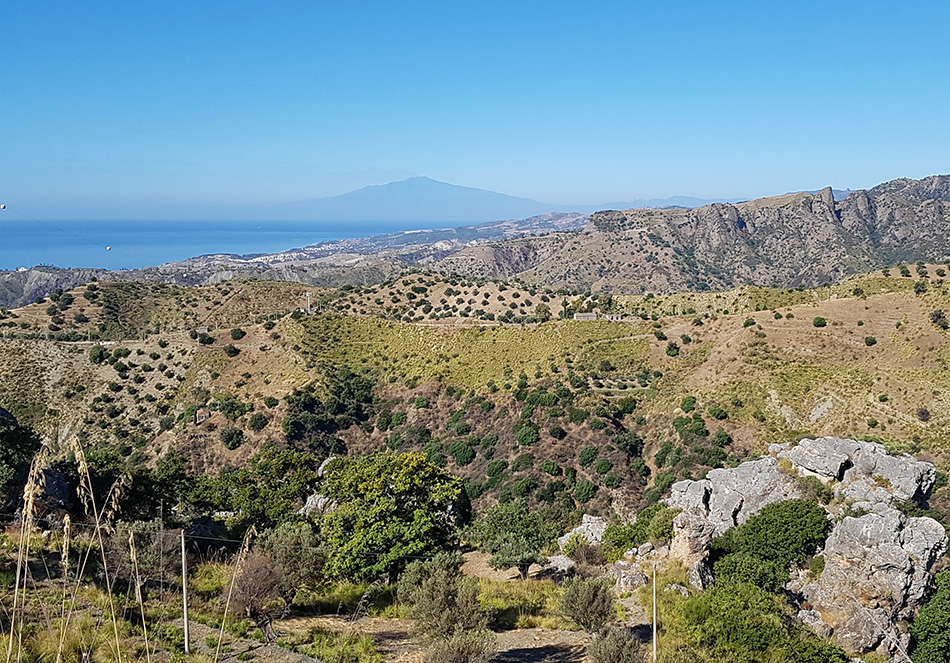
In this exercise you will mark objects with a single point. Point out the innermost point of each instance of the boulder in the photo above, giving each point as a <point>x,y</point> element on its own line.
<point>700,575</point>
<point>628,576</point>
<point>591,528</point>
<point>877,572</point>
<point>691,534</point>
<point>822,456</point>
<point>559,566</point>
<point>812,619</point>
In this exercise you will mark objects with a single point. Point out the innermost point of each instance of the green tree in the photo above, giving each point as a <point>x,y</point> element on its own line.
<point>513,535</point>
<point>264,491</point>
<point>389,508</point>
<point>18,445</point>
<point>931,629</point>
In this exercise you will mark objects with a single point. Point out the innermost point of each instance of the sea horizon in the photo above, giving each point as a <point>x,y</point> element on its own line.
<point>116,244</point>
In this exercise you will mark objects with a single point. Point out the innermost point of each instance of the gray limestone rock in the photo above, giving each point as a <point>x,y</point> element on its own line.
<point>812,619</point>
<point>591,528</point>
<point>700,575</point>
<point>823,456</point>
<point>865,469</point>
<point>877,570</point>
<point>724,499</point>
<point>628,576</point>
<point>559,566</point>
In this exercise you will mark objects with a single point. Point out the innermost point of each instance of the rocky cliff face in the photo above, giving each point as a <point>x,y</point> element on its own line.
<point>878,561</point>
<point>796,239</point>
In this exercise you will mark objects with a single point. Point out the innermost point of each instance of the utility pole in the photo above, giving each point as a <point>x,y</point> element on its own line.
<point>184,589</point>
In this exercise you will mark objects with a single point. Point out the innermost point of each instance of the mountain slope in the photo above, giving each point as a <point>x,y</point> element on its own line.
<point>416,199</point>
<point>790,240</point>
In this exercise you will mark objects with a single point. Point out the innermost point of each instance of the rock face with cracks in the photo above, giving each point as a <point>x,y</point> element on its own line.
<point>877,565</point>
<point>877,571</point>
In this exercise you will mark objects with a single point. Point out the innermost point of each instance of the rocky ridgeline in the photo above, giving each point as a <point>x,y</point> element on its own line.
<point>878,561</point>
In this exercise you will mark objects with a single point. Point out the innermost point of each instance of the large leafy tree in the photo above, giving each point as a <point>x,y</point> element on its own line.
<point>389,510</point>
<point>18,444</point>
<point>263,492</point>
<point>514,535</point>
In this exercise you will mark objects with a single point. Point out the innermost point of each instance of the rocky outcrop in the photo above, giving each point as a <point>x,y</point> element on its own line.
<point>865,470</point>
<point>724,499</point>
<point>591,528</point>
<point>877,571</point>
<point>877,565</point>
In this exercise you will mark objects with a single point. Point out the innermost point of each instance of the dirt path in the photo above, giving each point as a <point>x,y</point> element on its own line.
<point>203,637</point>
<point>538,645</point>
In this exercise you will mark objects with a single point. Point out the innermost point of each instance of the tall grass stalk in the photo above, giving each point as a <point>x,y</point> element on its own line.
<point>138,592</point>
<point>110,509</point>
<point>30,492</point>
<point>245,548</point>
<point>64,562</point>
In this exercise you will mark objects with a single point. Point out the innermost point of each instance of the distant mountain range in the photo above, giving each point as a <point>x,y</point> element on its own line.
<point>424,199</point>
<point>795,239</point>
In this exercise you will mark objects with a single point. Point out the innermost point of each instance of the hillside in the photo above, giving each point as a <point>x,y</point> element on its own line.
<point>475,372</point>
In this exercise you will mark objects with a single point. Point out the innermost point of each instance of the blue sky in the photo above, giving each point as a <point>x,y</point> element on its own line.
<point>179,107</point>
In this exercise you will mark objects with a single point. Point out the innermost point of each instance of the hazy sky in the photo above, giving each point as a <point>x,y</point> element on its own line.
<point>187,105</point>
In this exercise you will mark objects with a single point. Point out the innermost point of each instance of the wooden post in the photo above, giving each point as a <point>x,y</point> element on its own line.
<point>184,589</point>
<point>654,612</point>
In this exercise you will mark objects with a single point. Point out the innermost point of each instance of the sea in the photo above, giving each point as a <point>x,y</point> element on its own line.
<point>134,244</point>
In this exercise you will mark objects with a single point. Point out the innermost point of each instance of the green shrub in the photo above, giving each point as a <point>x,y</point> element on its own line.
<point>688,404</point>
<point>527,434</point>
<point>522,462</point>
<point>463,646</point>
<point>496,467</point>
<point>615,645</point>
<point>584,491</point>
<point>258,421</point>
<point>748,568</point>
<point>231,351</point>
<point>815,489</point>
<point>462,452</point>
<point>587,455</point>
<point>552,468</point>
<point>237,334</point>
<point>435,594</point>
<point>717,412</point>
<point>869,341</point>
<point>589,602</point>
<point>748,322</point>
<point>232,437</point>
<point>574,541</point>
<point>602,466</point>
<point>819,322</point>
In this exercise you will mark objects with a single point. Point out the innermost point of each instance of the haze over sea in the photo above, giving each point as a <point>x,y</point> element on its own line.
<point>30,242</point>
